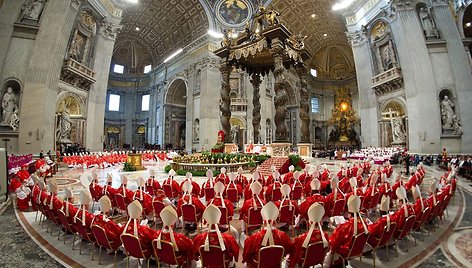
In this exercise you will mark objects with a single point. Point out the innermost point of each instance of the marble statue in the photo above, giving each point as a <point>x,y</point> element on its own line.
<point>398,131</point>
<point>235,134</point>
<point>196,130</point>
<point>447,112</point>
<point>9,102</point>
<point>76,49</point>
<point>388,57</point>
<point>456,125</point>
<point>427,22</point>
<point>15,119</point>
<point>32,9</point>
<point>64,125</point>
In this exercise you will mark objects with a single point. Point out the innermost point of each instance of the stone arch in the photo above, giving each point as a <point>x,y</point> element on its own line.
<point>7,116</point>
<point>383,48</point>
<point>175,113</point>
<point>392,111</point>
<point>464,16</point>
<point>176,91</point>
<point>73,102</point>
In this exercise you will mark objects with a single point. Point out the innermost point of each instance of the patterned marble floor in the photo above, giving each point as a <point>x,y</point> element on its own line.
<point>449,246</point>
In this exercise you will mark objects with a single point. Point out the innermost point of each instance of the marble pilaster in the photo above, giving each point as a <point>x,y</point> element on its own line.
<point>459,64</point>
<point>37,112</point>
<point>420,86</point>
<point>98,91</point>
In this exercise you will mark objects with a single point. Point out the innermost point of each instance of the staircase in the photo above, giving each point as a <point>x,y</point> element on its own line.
<point>277,162</point>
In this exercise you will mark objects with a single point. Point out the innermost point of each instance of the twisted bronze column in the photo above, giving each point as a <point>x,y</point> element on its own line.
<point>304,105</point>
<point>225,103</point>
<point>256,112</point>
<point>280,100</point>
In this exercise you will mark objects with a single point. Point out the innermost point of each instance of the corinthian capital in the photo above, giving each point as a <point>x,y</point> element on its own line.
<point>110,29</point>
<point>356,38</point>
<point>403,4</point>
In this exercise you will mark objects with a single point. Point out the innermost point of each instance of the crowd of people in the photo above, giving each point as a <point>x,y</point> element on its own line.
<point>319,199</point>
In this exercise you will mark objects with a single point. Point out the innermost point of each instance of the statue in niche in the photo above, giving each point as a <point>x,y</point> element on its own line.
<point>235,134</point>
<point>388,57</point>
<point>447,112</point>
<point>15,119</point>
<point>32,10</point>
<point>427,22</point>
<point>456,125</point>
<point>76,48</point>
<point>196,130</point>
<point>398,131</point>
<point>64,125</point>
<point>9,105</point>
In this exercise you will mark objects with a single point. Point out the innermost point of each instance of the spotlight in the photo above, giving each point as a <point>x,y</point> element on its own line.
<point>215,34</point>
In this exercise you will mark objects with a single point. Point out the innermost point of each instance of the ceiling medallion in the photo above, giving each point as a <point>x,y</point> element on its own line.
<point>233,13</point>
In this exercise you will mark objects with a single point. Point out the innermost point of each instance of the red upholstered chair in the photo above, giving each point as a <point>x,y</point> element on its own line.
<point>382,240</point>
<point>85,234</point>
<point>189,213</point>
<point>287,216</point>
<point>253,218</point>
<point>214,257</point>
<point>232,195</point>
<point>67,226</point>
<point>357,247</point>
<point>372,202</point>
<point>167,188</point>
<point>402,233</point>
<point>133,248</point>
<point>296,193</point>
<point>338,208</point>
<point>276,195</point>
<point>103,241</point>
<point>421,221</point>
<point>209,194</point>
<point>225,218</point>
<point>167,254</point>
<point>270,256</point>
<point>315,254</point>
<point>157,206</point>
<point>434,211</point>
<point>121,203</point>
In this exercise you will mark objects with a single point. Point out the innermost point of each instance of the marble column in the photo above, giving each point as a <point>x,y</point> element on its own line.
<point>225,102</point>
<point>38,107</point>
<point>256,111</point>
<point>105,42</point>
<point>459,63</point>
<point>280,99</point>
<point>304,105</point>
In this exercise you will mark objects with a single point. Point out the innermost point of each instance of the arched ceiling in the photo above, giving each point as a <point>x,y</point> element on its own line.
<point>167,25</point>
<point>164,26</point>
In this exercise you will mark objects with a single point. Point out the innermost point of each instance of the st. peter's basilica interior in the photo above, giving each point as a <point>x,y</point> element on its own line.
<point>236,133</point>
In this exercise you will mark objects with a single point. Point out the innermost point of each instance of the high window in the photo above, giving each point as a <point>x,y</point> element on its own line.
<point>114,102</point>
<point>145,103</point>
<point>119,69</point>
<point>315,105</point>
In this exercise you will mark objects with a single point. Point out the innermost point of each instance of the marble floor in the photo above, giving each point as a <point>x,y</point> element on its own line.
<point>25,241</point>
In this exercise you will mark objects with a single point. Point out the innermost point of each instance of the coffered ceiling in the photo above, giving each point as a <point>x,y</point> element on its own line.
<point>153,29</point>
<point>326,39</point>
<point>161,26</point>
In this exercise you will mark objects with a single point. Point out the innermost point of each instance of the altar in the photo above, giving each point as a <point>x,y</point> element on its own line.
<point>136,160</point>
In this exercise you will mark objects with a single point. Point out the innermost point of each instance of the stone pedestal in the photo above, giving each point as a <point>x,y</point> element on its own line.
<point>230,148</point>
<point>305,149</point>
<point>280,149</point>
<point>9,140</point>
